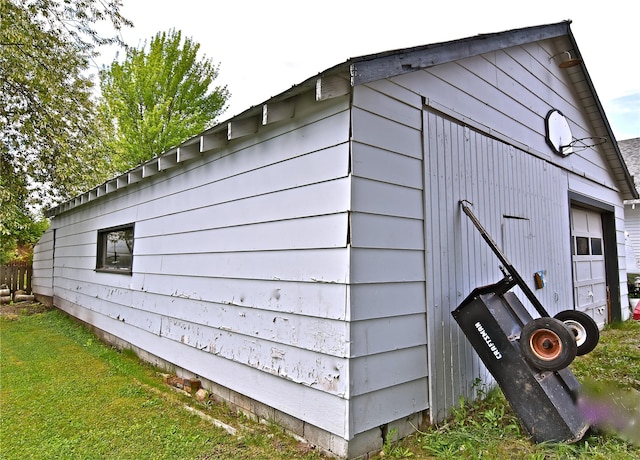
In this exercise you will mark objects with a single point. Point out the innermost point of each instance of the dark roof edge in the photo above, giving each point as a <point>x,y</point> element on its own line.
<point>396,62</point>
<point>387,64</point>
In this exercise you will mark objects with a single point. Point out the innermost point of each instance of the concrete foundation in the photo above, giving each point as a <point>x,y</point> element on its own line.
<point>363,446</point>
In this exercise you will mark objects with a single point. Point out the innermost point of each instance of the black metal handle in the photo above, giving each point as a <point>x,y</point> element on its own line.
<point>503,258</point>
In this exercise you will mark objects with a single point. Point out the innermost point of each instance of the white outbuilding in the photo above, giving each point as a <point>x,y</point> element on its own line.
<point>303,258</point>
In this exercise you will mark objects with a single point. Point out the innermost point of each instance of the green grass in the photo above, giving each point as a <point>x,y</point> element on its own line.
<point>65,395</point>
<point>488,428</point>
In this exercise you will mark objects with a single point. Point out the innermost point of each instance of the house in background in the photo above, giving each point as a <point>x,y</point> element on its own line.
<point>303,258</point>
<point>630,149</point>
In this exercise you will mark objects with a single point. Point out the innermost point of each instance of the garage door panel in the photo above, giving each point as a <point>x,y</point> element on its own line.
<point>585,296</point>
<point>599,314</point>
<point>582,270</point>
<point>579,221</point>
<point>591,296</point>
<point>600,293</point>
<point>594,223</point>
<point>598,270</point>
<point>589,269</point>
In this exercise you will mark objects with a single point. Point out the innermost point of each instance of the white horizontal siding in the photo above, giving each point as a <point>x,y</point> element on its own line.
<point>324,300</point>
<point>375,197</point>
<point>314,266</point>
<point>42,278</point>
<point>311,200</point>
<point>383,100</point>
<point>384,166</point>
<point>309,355</point>
<point>318,300</point>
<point>387,291</point>
<point>80,250</point>
<point>386,133</point>
<point>135,307</point>
<point>384,370</point>
<point>240,265</point>
<point>387,232</point>
<point>328,231</point>
<point>243,171</point>
<point>316,167</point>
<point>374,335</point>
<point>386,266</point>
<point>383,300</point>
<point>376,408</point>
<point>325,409</point>
<point>632,225</point>
<point>511,91</point>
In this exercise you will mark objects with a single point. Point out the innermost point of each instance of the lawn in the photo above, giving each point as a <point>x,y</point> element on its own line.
<point>64,394</point>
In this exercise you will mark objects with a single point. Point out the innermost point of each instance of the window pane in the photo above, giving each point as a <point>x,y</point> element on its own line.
<point>596,246</point>
<point>118,254</point>
<point>582,246</point>
<point>116,249</point>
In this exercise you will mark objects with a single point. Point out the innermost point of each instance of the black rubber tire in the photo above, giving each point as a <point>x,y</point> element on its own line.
<point>547,344</point>
<point>583,327</point>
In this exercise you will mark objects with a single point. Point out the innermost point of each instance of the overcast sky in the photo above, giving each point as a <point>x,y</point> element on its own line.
<point>266,46</point>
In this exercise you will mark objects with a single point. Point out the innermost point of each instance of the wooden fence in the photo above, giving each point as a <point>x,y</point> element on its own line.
<point>17,277</point>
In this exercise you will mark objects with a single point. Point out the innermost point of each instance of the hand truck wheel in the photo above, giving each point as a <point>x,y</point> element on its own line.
<point>547,344</point>
<point>584,329</point>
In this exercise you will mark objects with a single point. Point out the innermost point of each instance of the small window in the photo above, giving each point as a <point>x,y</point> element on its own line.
<point>582,246</point>
<point>596,246</point>
<point>115,249</point>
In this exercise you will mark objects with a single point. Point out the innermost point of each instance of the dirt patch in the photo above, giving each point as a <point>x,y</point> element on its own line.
<point>23,308</point>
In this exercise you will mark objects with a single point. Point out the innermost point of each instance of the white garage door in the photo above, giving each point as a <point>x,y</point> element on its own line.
<point>589,275</point>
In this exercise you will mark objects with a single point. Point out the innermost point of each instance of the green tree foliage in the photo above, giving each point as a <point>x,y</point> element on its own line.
<point>159,97</point>
<point>18,227</point>
<point>47,116</point>
<point>46,111</point>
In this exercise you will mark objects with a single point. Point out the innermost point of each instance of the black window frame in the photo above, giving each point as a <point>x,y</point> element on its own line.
<point>103,251</point>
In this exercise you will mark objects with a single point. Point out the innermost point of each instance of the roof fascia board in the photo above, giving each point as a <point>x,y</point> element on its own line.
<point>363,69</point>
<point>389,64</point>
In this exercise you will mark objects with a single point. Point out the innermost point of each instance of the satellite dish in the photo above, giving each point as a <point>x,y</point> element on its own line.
<point>559,135</point>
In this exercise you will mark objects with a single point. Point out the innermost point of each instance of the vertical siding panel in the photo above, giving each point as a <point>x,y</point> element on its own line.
<point>435,282</point>
<point>468,259</point>
<point>440,230</point>
<point>517,199</point>
<point>632,225</point>
<point>447,260</point>
<point>458,190</point>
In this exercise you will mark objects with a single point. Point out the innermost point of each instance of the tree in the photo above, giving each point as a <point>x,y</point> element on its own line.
<point>18,227</point>
<point>46,111</point>
<point>47,114</point>
<point>159,97</point>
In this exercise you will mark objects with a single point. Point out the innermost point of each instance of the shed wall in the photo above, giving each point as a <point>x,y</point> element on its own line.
<point>43,252</point>
<point>389,377</point>
<point>240,266</point>
<point>319,260</point>
<point>593,191</point>
<point>484,125</point>
<point>632,225</point>
<point>522,202</point>
<point>510,92</point>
